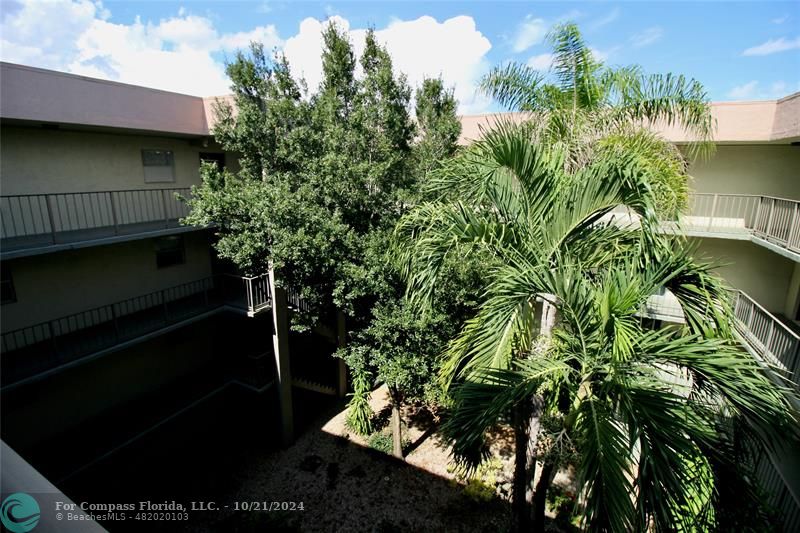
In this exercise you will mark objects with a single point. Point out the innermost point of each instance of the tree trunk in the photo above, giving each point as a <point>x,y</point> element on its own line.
<point>549,471</point>
<point>397,437</point>
<point>526,432</point>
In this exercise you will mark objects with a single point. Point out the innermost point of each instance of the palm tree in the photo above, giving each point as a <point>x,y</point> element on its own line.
<point>608,381</point>
<point>643,408</point>
<point>580,100</point>
<point>578,80</point>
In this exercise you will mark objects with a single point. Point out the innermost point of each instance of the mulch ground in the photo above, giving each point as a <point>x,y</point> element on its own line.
<point>345,486</point>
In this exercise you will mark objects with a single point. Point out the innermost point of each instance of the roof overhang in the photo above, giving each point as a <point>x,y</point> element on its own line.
<point>756,122</point>
<point>34,96</point>
<point>37,96</point>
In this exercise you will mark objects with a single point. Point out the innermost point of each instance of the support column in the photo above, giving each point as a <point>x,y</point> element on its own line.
<point>341,336</point>
<point>280,347</point>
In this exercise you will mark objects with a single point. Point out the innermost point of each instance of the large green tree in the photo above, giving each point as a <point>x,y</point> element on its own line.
<point>319,173</point>
<point>402,347</point>
<point>438,125</point>
<point>323,179</point>
<point>548,226</point>
<point>395,344</point>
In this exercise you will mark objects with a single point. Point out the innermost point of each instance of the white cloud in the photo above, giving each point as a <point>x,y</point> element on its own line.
<point>541,62</point>
<point>610,17</point>
<point>647,37</point>
<point>780,20</point>
<point>44,33</point>
<point>181,53</point>
<point>267,35</point>
<point>453,49</point>
<point>753,90</point>
<point>603,55</point>
<point>530,32</point>
<point>744,91</point>
<point>773,46</point>
<point>174,54</point>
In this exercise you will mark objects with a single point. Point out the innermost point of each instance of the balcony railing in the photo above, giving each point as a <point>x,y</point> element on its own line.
<point>765,334</point>
<point>34,349</point>
<point>37,220</point>
<point>257,293</point>
<point>775,220</point>
<point>762,331</point>
<point>777,492</point>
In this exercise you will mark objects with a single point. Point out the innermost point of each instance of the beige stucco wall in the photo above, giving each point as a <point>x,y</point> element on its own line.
<point>36,160</point>
<point>761,273</point>
<point>54,285</point>
<point>793,298</point>
<point>767,169</point>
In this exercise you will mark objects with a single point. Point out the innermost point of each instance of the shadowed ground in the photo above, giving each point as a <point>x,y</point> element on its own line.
<point>225,452</point>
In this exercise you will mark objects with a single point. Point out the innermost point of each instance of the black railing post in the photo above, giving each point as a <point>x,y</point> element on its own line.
<point>164,207</point>
<point>53,343</point>
<point>50,217</point>
<point>164,305</point>
<point>114,213</point>
<point>116,322</point>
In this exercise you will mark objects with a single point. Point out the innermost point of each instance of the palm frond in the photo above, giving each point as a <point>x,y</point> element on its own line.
<point>480,402</point>
<point>574,66</point>
<point>503,324</point>
<point>735,375</point>
<point>515,86</point>
<point>668,99</point>
<point>604,470</point>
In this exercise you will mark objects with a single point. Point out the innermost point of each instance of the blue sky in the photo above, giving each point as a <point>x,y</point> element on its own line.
<point>738,50</point>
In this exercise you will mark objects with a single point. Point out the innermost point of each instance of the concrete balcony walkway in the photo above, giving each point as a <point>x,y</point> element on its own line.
<point>38,350</point>
<point>766,335</point>
<point>765,220</point>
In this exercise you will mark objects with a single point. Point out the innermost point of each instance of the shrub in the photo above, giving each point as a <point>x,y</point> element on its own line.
<point>479,491</point>
<point>481,484</point>
<point>359,412</point>
<point>381,442</point>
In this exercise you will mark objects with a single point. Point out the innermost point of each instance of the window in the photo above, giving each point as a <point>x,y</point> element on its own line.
<point>159,166</point>
<point>213,157</point>
<point>169,251</point>
<point>9,295</point>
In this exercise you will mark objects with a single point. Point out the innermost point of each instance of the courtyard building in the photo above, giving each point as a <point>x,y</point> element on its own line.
<point>117,318</point>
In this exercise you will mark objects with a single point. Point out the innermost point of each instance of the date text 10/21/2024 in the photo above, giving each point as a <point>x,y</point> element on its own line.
<point>267,506</point>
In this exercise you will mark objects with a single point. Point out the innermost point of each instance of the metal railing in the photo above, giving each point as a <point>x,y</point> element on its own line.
<point>34,220</point>
<point>37,348</point>
<point>776,220</point>
<point>776,344</point>
<point>778,494</point>
<point>767,335</point>
<point>295,300</point>
<point>763,332</point>
<point>257,293</point>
